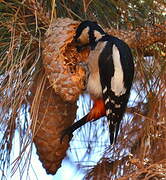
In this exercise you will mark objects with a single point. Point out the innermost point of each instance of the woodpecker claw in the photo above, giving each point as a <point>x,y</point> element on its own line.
<point>66,132</point>
<point>69,131</point>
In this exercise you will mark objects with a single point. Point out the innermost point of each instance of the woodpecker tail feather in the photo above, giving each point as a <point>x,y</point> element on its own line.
<point>113,131</point>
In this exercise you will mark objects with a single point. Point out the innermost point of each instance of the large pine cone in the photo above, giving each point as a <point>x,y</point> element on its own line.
<point>64,82</point>
<point>61,60</point>
<point>50,115</point>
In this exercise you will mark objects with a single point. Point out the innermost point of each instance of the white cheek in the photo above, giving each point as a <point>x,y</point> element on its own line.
<point>84,37</point>
<point>117,83</point>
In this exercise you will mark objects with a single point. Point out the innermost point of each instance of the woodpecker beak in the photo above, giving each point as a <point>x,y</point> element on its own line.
<point>77,41</point>
<point>77,44</point>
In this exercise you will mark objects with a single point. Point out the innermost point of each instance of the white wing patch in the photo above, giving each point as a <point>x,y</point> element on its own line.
<point>107,100</point>
<point>112,101</point>
<point>108,112</point>
<point>117,105</point>
<point>97,35</point>
<point>105,89</point>
<point>117,84</point>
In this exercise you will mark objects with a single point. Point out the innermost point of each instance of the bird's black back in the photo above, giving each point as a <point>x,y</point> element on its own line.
<point>106,69</point>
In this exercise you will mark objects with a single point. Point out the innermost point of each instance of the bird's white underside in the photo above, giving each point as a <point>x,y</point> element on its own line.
<point>94,84</point>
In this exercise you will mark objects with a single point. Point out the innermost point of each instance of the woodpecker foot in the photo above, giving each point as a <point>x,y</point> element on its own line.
<point>67,132</point>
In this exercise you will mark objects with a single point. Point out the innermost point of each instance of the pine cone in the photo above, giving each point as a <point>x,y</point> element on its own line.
<point>50,115</point>
<point>57,104</point>
<point>61,60</point>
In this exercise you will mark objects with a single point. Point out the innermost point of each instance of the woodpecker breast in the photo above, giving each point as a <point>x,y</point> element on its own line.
<point>94,85</point>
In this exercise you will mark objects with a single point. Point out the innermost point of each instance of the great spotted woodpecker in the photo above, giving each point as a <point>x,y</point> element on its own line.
<point>111,72</point>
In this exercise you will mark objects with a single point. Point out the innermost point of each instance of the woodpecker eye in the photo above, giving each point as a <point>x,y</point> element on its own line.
<point>77,41</point>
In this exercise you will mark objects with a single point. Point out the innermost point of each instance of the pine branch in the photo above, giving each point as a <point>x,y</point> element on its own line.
<point>141,37</point>
<point>154,171</point>
<point>38,10</point>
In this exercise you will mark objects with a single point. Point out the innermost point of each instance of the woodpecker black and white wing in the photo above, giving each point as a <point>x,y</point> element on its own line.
<point>113,77</point>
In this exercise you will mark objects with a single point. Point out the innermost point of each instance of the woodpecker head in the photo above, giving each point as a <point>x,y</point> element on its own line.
<point>87,34</point>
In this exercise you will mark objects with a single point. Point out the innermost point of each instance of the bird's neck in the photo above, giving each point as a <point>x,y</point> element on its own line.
<point>95,41</point>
